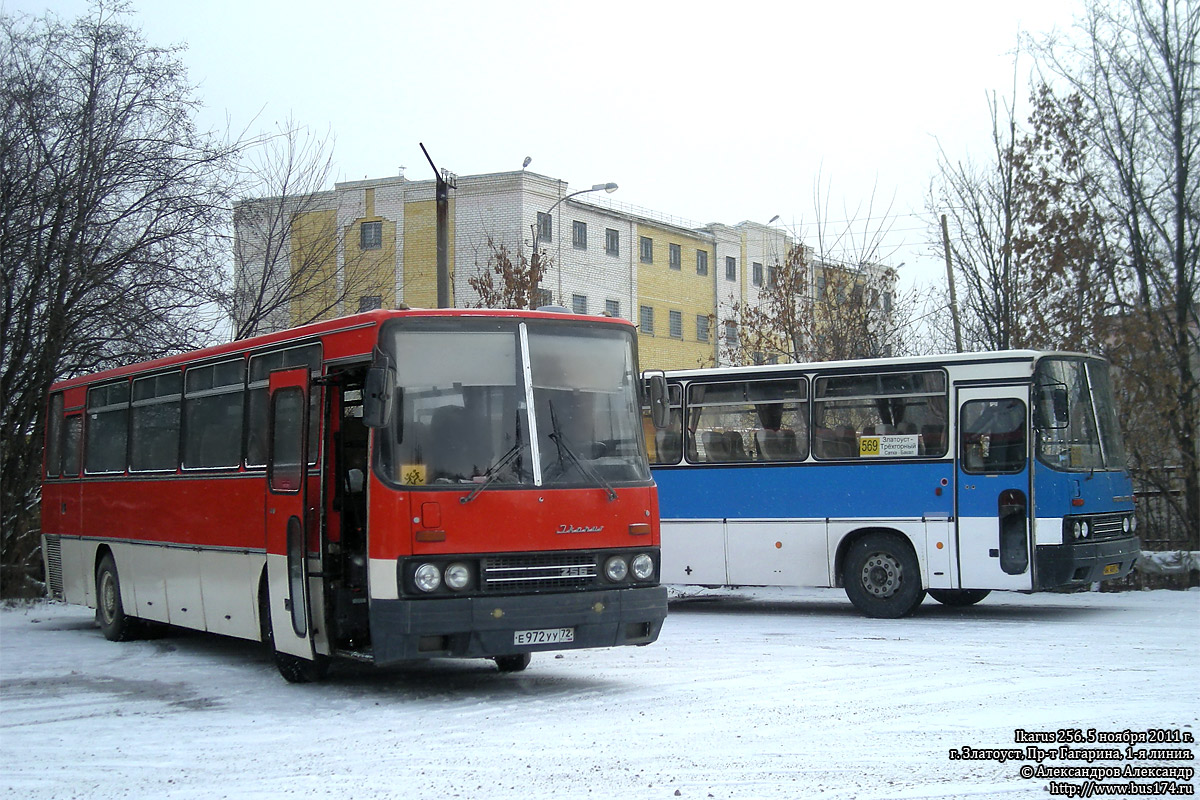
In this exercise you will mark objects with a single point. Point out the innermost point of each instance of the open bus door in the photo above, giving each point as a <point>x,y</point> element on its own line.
<point>993,498</point>
<point>286,521</point>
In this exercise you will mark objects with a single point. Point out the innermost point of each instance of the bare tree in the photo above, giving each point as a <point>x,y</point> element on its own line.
<point>295,261</point>
<point>110,203</point>
<point>508,279</point>
<point>983,208</point>
<point>1134,66</point>
<point>836,300</point>
<point>1061,238</point>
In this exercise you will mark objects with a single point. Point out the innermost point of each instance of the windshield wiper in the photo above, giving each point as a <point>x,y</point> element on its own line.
<point>493,471</point>
<point>563,447</point>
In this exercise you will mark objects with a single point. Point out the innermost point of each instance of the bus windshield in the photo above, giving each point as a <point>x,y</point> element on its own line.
<point>1076,416</point>
<point>463,393</point>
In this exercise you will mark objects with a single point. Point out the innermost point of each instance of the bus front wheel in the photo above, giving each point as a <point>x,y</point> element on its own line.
<point>959,597</point>
<point>513,663</point>
<point>882,577</point>
<point>114,623</point>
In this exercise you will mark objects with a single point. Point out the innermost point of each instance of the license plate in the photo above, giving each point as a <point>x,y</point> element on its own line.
<point>545,636</point>
<point>1112,569</point>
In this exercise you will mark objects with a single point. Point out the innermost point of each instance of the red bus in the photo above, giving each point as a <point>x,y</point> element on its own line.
<point>384,487</point>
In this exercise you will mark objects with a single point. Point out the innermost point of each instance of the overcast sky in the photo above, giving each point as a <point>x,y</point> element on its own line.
<point>709,112</point>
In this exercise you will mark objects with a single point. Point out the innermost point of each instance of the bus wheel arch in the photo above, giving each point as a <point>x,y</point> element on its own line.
<point>880,571</point>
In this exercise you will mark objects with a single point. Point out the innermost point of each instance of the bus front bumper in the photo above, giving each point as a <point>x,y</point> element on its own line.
<point>484,627</point>
<point>1084,562</point>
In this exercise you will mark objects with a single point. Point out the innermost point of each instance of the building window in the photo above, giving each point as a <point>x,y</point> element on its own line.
<point>646,245</point>
<point>612,242</point>
<point>370,303</point>
<point>579,235</point>
<point>545,297</point>
<point>756,274</point>
<point>731,334</point>
<point>675,318</point>
<point>612,308</point>
<point>772,274</point>
<point>701,262</point>
<point>646,318</point>
<point>730,268</point>
<point>370,236</point>
<point>702,327</point>
<point>676,256</point>
<point>579,303</point>
<point>545,226</point>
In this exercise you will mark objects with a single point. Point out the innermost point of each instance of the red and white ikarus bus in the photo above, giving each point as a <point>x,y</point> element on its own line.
<point>383,487</point>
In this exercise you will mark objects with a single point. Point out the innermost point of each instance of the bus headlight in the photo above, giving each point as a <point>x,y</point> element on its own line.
<point>1083,527</point>
<point>458,576</point>
<point>1133,524</point>
<point>616,568</point>
<point>643,567</point>
<point>1125,524</point>
<point>1075,529</point>
<point>427,577</point>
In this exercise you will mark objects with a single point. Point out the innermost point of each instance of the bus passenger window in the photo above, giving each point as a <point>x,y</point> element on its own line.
<point>666,446</point>
<point>993,436</point>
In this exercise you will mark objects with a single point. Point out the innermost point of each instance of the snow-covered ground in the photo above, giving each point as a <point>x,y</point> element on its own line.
<point>748,694</point>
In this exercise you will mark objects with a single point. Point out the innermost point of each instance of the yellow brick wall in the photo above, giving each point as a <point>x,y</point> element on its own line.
<point>370,272</point>
<point>314,266</point>
<point>665,290</point>
<point>420,253</point>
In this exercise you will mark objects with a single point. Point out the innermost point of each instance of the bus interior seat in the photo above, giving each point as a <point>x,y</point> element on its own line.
<point>777,445</point>
<point>715,446</point>
<point>933,437</point>
<point>669,446</point>
<point>451,450</point>
<point>734,446</point>
<point>845,442</point>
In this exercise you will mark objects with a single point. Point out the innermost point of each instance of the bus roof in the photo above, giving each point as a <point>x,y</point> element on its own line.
<point>367,319</point>
<point>993,357</point>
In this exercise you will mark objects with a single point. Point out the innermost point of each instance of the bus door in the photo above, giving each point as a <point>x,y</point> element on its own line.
<point>287,513</point>
<point>992,495</point>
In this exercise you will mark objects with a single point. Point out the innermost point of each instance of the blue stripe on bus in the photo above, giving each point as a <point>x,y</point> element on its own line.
<point>873,490</point>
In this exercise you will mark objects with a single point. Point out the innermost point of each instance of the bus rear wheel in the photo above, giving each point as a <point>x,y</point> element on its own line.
<point>882,577</point>
<point>114,623</point>
<point>959,597</point>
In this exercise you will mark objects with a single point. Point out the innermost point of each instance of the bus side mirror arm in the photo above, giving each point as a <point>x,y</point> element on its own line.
<point>377,396</point>
<point>656,383</point>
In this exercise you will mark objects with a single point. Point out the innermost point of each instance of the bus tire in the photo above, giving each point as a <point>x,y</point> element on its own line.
<point>513,663</point>
<point>114,623</point>
<point>882,576</point>
<point>959,597</point>
<point>294,669</point>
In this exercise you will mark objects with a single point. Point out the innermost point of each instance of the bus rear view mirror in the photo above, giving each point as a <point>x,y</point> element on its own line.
<point>659,408</point>
<point>1054,409</point>
<point>377,396</point>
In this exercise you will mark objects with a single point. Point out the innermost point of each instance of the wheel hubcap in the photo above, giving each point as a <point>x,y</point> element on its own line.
<point>108,597</point>
<point>881,575</point>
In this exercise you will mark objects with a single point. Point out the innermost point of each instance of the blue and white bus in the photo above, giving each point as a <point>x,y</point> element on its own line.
<point>953,475</point>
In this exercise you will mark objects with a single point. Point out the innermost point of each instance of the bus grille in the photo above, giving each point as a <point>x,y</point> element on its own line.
<point>1108,526</point>
<point>538,572</point>
<point>54,573</point>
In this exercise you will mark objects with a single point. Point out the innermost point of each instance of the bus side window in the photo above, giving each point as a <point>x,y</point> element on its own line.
<point>993,436</point>
<point>54,436</point>
<point>72,438</point>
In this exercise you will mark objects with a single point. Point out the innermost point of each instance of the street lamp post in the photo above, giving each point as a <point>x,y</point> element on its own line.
<point>596,187</point>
